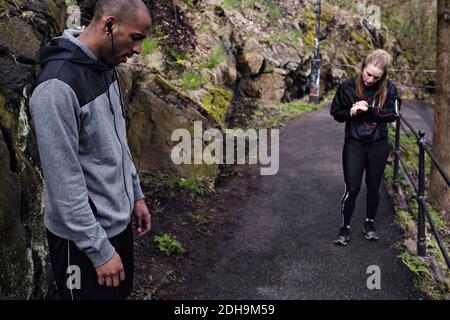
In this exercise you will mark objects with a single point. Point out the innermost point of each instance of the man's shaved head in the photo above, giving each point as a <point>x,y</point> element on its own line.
<point>122,10</point>
<point>117,30</point>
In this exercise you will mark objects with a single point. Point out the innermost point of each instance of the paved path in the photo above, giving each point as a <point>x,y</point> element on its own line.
<point>420,115</point>
<point>282,248</point>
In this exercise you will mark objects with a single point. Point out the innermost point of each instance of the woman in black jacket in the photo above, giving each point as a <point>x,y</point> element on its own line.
<point>365,104</point>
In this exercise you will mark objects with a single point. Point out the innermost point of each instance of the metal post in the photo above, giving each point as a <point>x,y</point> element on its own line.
<point>314,86</point>
<point>421,249</point>
<point>396,155</point>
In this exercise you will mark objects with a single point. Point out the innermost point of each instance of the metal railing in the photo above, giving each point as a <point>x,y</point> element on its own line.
<point>419,189</point>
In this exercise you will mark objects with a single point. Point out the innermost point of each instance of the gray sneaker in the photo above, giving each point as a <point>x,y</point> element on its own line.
<point>343,236</point>
<point>370,233</point>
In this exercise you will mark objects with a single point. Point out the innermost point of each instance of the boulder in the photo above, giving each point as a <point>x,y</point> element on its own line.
<point>24,265</point>
<point>254,61</point>
<point>248,88</point>
<point>272,86</point>
<point>19,38</point>
<point>156,110</point>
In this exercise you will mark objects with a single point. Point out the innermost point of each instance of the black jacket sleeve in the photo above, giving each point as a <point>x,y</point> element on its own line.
<point>340,107</point>
<point>390,111</point>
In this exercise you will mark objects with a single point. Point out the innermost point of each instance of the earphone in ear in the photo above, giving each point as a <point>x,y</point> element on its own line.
<point>109,26</point>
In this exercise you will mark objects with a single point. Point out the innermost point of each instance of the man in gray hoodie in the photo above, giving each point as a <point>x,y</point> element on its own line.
<point>92,188</point>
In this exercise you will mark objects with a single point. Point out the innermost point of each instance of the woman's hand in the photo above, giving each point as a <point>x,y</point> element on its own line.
<point>360,106</point>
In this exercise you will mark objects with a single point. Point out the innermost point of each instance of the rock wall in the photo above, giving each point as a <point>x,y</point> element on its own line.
<point>25,26</point>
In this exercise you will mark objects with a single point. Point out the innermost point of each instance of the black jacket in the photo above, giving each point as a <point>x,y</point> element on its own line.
<point>374,117</point>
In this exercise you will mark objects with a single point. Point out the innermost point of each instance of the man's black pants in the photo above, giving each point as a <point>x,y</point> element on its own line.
<point>64,253</point>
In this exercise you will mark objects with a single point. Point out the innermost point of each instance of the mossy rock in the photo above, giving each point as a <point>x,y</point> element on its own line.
<point>13,245</point>
<point>56,10</point>
<point>152,122</point>
<point>327,13</point>
<point>3,8</point>
<point>6,117</point>
<point>361,40</point>
<point>18,38</point>
<point>165,85</point>
<point>217,103</point>
<point>310,38</point>
<point>326,16</point>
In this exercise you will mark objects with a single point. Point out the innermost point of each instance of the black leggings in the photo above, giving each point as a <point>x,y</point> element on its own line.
<point>358,157</point>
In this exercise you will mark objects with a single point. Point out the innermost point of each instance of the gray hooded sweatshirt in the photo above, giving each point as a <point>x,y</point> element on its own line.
<point>91,182</point>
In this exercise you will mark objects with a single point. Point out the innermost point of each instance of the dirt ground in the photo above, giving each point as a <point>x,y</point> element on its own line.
<point>157,275</point>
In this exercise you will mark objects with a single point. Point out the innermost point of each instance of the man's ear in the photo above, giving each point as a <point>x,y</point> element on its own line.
<point>110,23</point>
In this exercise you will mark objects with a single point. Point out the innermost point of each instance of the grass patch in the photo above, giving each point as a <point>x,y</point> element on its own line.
<point>149,46</point>
<point>191,80</point>
<point>273,10</point>
<point>159,210</point>
<point>177,56</point>
<point>168,244</point>
<point>189,184</point>
<point>250,113</point>
<point>291,38</point>
<point>424,268</point>
<point>198,218</point>
<point>218,56</point>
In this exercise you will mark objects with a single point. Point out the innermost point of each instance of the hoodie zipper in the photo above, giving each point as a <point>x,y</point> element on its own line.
<point>120,142</point>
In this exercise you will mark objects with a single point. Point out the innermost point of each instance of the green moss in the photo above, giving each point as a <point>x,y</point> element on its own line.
<point>325,17</point>
<point>309,38</point>
<point>423,279</point>
<point>164,85</point>
<point>6,117</point>
<point>405,221</point>
<point>149,45</point>
<point>361,40</point>
<point>217,102</point>
<point>3,8</point>
<point>327,13</point>
<point>15,28</point>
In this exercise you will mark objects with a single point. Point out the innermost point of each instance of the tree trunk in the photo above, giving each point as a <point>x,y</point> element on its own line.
<point>439,191</point>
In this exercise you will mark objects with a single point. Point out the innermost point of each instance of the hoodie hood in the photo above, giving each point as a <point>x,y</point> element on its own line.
<point>68,47</point>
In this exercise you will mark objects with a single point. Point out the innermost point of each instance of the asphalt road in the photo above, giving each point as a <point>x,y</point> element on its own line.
<point>420,115</point>
<point>281,245</point>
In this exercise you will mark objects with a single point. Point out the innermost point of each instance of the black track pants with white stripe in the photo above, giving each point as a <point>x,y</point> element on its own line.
<point>64,253</point>
<point>357,158</point>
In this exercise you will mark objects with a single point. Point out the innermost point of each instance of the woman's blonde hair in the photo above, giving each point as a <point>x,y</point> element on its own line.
<point>382,60</point>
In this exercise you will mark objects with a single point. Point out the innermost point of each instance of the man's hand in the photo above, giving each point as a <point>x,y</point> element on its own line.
<point>142,220</point>
<point>360,106</point>
<point>111,272</point>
